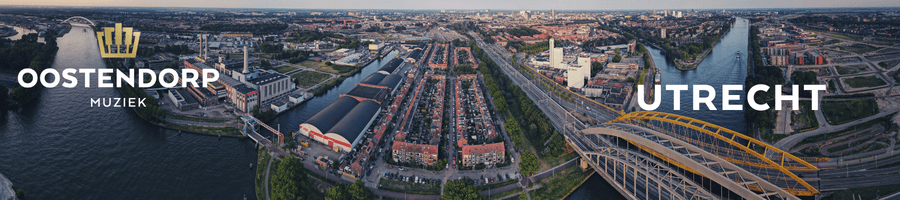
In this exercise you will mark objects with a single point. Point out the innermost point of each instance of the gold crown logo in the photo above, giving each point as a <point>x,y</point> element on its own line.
<point>119,49</point>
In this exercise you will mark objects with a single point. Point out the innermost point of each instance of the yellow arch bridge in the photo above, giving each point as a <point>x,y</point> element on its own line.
<point>620,151</point>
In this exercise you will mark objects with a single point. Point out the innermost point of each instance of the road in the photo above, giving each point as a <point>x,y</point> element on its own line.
<point>268,168</point>
<point>558,115</point>
<point>789,141</point>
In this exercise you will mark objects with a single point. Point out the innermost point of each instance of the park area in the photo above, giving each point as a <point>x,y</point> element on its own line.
<point>840,112</point>
<point>889,64</point>
<point>864,81</point>
<point>858,48</point>
<point>853,69</point>
<point>331,68</point>
<point>306,79</point>
<point>407,187</point>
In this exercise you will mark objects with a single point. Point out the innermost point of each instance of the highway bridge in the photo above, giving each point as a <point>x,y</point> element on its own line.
<point>653,155</point>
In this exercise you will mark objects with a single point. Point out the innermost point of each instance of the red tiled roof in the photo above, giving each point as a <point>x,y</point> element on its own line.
<point>482,149</point>
<point>410,147</point>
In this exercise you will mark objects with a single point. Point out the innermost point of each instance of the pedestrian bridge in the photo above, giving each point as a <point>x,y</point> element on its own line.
<point>654,155</point>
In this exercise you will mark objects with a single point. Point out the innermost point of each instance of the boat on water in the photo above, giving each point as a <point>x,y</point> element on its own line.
<point>738,54</point>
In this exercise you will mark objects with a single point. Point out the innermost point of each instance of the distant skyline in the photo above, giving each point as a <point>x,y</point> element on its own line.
<point>471,4</point>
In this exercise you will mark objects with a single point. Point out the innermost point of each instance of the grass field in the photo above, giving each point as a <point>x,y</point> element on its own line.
<point>858,48</point>
<point>407,187</point>
<point>228,131</point>
<point>561,184</point>
<point>866,192</point>
<point>307,78</point>
<point>864,81</point>
<point>285,69</point>
<point>807,117</point>
<point>261,165</point>
<point>888,64</point>
<point>853,69</point>
<point>333,68</point>
<point>839,112</point>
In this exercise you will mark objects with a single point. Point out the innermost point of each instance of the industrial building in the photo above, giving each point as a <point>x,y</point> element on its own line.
<point>343,123</point>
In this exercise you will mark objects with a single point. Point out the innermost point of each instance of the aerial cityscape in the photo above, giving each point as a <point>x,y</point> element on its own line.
<point>453,100</point>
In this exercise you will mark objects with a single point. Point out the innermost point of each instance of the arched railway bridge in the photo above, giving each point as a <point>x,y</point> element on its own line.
<point>70,19</point>
<point>654,155</point>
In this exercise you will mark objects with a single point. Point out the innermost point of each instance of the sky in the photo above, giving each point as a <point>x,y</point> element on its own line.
<point>471,4</point>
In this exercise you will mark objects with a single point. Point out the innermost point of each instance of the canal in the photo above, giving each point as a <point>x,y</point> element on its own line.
<point>720,67</point>
<point>291,120</point>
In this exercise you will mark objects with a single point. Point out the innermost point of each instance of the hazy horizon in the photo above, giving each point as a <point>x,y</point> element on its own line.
<point>471,4</point>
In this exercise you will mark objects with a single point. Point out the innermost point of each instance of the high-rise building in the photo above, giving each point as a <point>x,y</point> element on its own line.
<point>556,56</point>
<point>585,63</point>
<point>662,33</point>
<point>574,76</point>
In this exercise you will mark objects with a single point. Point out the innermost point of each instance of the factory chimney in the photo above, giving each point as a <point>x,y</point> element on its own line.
<point>206,48</point>
<point>245,61</point>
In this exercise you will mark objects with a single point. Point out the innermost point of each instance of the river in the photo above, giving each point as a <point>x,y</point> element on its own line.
<point>720,67</point>
<point>61,148</point>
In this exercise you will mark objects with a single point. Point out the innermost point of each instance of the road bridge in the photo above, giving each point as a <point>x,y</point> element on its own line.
<point>250,129</point>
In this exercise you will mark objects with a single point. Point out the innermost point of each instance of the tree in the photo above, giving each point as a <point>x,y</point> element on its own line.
<point>617,58</point>
<point>271,48</point>
<point>263,63</point>
<point>338,192</point>
<point>4,93</point>
<point>804,78</point>
<point>461,190</point>
<point>290,180</point>
<point>358,191</point>
<point>529,163</point>
<point>355,191</point>
<point>596,67</point>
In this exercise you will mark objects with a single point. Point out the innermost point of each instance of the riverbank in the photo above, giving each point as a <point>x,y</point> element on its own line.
<point>562,184</point>
<point>262,172</point>
<point>684,67</point>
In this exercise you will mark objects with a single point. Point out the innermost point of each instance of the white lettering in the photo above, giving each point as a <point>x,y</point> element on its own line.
<point>752,101</point>
<point>644,106</point>
<point>162,80</point>
<point>207,79</point>
<point>192,79</point>
<point>71,80</point>
<point>726,97</point>
<point>141,73</point>
<point>814,89</point>
<point>794,97</point>
<point>55,78</point>
<point>676,95</point>
<point>103,76</point>
<point>708,100</point>
<point>87,76</point>
<point>21,78</point>
<point>128,79</point>
<point>95,101</point>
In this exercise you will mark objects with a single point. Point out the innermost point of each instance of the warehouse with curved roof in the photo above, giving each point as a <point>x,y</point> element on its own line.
<point>353,125</point>
<point>391,81</point>
<point>373,79</point>
<point>343,123</point>
<point>391,66</point>
<point>325,120</point>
